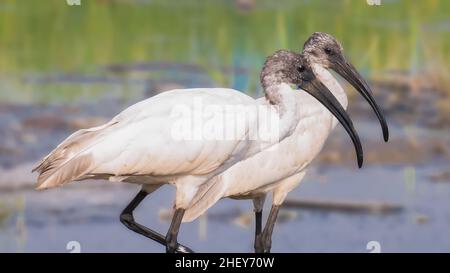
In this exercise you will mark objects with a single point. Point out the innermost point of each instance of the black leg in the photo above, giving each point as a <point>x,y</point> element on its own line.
<point>264,240</point>
<point>258,228</point>
<point>126,217</point>
<point>172,234</point>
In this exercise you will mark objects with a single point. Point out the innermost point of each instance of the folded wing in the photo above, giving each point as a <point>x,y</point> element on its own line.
<point>143,140</point>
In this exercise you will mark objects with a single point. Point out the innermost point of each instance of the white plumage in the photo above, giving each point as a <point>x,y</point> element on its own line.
<point>138,145</point>
<point>279,168</point>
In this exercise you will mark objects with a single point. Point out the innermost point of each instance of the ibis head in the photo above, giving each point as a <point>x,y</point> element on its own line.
<point>296,70</point>
<point>325,50</point>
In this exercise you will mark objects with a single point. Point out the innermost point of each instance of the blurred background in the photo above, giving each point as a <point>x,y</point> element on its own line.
<point>65,67</point>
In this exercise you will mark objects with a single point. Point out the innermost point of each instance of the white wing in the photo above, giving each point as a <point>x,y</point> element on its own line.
<point>144,140</point>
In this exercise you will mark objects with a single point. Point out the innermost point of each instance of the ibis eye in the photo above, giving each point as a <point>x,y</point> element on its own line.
<point>301,68</point>
<point>328,50</point>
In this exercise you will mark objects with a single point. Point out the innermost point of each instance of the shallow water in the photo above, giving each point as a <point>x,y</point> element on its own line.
<point>88,213</point>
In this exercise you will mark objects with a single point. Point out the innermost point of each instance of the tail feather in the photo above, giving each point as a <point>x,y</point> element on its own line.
<point>74,169</point>
<point>70,160</point>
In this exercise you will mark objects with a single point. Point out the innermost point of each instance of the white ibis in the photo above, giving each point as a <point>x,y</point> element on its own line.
<point>138,145</point>
<point>281,168</point>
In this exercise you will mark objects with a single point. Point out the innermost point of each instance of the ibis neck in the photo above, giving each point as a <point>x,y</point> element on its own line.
<point>331,83</point>
<point>282,96</point>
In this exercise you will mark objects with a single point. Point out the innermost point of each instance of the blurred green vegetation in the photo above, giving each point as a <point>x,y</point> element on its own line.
<point>49,36</point>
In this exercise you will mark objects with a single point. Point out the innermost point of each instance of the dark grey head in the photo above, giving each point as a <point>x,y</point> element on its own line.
<point>323,49</point>
<point>295,69</point>
<point>285,67</point>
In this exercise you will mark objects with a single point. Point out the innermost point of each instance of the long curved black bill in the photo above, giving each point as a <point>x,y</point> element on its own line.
<point>349,72</point>
<point>325,97</point>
